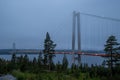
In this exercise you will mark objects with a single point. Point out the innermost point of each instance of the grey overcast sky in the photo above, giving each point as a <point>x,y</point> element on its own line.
<point>26,22</point>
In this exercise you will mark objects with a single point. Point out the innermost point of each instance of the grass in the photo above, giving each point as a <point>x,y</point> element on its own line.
<point>50,76</point>
<point>23,76</point>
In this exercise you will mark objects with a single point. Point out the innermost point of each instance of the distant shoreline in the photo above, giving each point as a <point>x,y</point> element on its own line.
<point>37,51</point>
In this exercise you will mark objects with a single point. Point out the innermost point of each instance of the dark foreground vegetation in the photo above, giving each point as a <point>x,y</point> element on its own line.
<point>24,69</point>
<point>43,67</point>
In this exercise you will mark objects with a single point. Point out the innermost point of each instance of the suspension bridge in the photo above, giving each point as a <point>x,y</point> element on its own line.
<point>76,28</point>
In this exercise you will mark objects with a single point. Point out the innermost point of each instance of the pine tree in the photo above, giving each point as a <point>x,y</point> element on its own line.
<point>13,60</point>
<point>48,50</point>
<point>35,67</point>
<point>34,61</point>
<point>13,64</point>
<point>25,64</point>
<point>26,59</point>
<point>58,66</point>
<point>64,63</point>
<point>40,60</point>
<point>111,49</point>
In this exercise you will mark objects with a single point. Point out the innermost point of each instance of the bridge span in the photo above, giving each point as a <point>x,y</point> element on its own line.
<point>56,52</point>
<point>84,53</point>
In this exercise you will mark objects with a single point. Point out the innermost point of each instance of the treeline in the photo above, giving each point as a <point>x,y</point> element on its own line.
<point>37,66</point>
<point>24,64</point>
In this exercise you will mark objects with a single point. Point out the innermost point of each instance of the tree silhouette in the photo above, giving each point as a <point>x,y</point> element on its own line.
<point>64,62</point>
<point>25,64</point>
<point>111,49</point>
<point>48,50</point>
<point>13,64</point>
<point>40,60</point>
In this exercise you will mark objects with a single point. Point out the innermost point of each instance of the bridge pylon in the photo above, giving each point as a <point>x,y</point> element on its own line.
<point>76,17</point>
<point>14,48</point>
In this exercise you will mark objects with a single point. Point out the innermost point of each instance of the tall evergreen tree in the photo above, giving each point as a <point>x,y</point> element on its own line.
<point>58,66</point>
<point>25,64</point>
<point>64,62</point>
<point>34,61</point>
<point>40,60</point>
<point>26,59</point>
<point>13,64</point>
<point>13,60</point>
<point>48,50</point>
<point>111,49</point>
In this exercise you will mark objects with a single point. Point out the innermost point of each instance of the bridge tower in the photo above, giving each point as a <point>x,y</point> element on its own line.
<point>14,48</point>
<point>76,19</point>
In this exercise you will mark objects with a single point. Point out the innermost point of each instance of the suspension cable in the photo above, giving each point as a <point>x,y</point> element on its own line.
<point>102,17</point>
